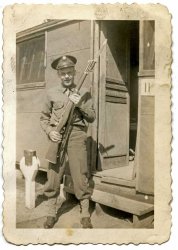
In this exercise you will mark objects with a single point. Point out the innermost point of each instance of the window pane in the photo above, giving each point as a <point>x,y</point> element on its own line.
<point>30,61</point>
<point>149,45</point>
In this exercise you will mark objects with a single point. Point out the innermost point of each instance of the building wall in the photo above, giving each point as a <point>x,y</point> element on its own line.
<point>73,39</point>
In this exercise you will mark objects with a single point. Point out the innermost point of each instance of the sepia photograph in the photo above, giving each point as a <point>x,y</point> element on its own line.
<point>107,140</point>
<point>86,111</point>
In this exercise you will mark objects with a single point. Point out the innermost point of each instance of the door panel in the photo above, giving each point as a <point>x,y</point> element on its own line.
<point>116,132</point>
<point>114,105</point>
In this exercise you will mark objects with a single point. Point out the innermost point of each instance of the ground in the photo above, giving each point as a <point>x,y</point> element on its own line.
<point>69,211</point>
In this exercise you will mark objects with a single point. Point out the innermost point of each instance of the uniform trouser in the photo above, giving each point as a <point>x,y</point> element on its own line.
<point>77,157</point>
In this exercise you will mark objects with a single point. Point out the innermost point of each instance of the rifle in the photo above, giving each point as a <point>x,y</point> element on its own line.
<point>52,152</point>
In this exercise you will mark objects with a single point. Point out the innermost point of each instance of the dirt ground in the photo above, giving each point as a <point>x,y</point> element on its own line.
<point>69,211</point>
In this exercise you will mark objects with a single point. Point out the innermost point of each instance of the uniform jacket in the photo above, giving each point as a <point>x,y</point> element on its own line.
<point>54,106</point>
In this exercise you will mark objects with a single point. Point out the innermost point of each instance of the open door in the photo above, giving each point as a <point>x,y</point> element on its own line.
<point>114,99</point>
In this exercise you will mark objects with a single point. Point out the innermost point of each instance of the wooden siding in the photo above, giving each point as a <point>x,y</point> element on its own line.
<point>29,132</point>
<point>30,101</point>
<point>145,150</point>
<point>31,136</point>
<point>73,39</point>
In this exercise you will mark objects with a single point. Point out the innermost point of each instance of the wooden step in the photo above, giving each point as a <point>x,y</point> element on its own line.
<point>122,203</point>
<point>128,192</point>
<point>115,197</point>
<point>120,182</point>
<point>122,176</point>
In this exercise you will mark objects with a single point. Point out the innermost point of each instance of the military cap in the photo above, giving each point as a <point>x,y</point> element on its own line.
<point>64,62</point>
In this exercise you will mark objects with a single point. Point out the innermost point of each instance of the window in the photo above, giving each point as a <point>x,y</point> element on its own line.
<point>148,44</point>
<point>30,62</point>
<point>147,48</point>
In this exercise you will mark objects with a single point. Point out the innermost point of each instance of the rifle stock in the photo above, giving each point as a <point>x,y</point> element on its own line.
<point>52,152</point>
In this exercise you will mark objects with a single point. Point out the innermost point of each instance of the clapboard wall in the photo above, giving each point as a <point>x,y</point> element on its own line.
<point>73,39</point>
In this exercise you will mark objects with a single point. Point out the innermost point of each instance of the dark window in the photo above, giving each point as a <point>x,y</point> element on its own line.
<point>30,61</point>
<point>149,45</point>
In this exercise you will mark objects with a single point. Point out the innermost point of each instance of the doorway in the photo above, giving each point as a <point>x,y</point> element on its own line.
<point>118,95</point>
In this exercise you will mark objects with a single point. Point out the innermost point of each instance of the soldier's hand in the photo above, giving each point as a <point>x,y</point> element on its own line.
<point>75,98</point>
<point>55,136</point>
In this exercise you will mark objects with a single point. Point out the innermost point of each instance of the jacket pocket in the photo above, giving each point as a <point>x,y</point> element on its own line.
<point>57,111</point>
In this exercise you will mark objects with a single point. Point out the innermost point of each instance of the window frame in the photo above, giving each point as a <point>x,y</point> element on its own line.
<point>32,85</point>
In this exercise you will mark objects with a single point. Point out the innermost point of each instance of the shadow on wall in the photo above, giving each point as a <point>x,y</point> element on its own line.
<point>95,151</point>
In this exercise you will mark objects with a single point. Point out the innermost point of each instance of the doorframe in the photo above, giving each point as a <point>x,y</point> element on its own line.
<point>95,46</point>
<point>102,95</point>
<point>98,32</point>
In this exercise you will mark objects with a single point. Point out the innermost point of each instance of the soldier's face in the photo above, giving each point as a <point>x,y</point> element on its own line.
<point>67,76</point>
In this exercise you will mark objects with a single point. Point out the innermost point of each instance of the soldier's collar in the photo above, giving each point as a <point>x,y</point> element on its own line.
<point>64,89</point>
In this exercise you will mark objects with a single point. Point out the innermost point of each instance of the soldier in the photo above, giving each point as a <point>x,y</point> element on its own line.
<point>84,113</point>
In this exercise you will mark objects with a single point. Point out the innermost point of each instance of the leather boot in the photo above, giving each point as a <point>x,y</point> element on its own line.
<point>86,222</point>
<point>50,221</point>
